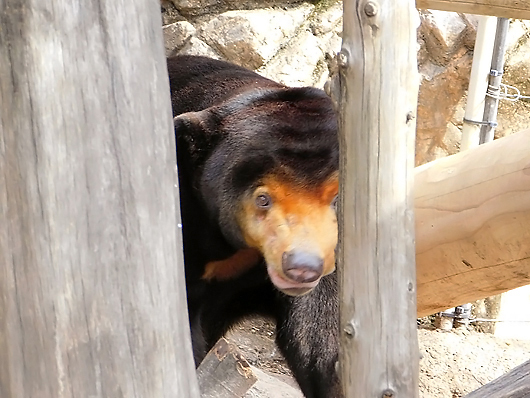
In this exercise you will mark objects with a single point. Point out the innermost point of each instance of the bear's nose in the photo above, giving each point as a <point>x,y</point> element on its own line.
<point>302,267</point>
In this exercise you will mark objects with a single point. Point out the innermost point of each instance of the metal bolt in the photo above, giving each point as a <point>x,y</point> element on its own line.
<point>410,286</point>
<point>371,9</point>
<point>342,59</point>
<point>410,116</point>
<point>388,394</point>
<point>349,329</point>
<point>327,88</point>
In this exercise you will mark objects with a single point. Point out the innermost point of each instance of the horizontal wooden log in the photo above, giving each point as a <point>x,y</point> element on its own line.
<point>519,9</point>
<point>224,373</point>
<point>472,224</point>
<point>514,384</point>
<point>271,386</point>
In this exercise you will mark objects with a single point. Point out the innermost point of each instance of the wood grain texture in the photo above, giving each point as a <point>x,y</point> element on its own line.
<point>472,223</point>
<point>92,299</point>
<point>224,373</point>
<point>514,384</point>
<point>519,9</point>
<point>379,87</point>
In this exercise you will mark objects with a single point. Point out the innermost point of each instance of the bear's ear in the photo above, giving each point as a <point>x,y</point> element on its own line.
<point>191,123</point>
<point>197,131</point>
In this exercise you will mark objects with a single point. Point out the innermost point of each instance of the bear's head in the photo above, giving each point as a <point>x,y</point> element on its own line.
<point>266,165</point>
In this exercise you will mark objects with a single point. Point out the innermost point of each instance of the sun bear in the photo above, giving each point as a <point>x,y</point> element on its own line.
<point>258,179</point>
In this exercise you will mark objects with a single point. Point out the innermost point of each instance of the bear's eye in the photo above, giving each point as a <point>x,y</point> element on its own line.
<point>334,202</point>
<point>263,201</point>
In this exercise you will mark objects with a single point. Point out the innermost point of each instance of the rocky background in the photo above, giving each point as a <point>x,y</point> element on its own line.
<point>295,42</point>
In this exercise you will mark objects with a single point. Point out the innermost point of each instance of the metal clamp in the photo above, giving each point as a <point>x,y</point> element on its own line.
<point>495,73</point>
<point>490,124</point>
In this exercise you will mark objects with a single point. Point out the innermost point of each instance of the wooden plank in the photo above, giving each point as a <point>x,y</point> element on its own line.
<point>224,373</point>
<point>514,384</point>
<point>518,9</point>
<point>92,299</point>
<point>472,218</point>
<point>268,386</point>
<point>379,87</point>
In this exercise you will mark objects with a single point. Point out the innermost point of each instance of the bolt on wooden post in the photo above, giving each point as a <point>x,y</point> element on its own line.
<point>378,100</point>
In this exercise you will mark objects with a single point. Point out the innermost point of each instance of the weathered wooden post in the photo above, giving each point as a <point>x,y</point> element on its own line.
<point>379,87</point>
<point>92,298</point>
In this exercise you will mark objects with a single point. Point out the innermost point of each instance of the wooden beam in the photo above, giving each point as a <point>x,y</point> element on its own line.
<point>519,9</point>
<point>514,384</point>
<point>472,223</point>
<point>224,373</point>
<point>92,295</point>
<point>379,87</point>
<point>271,386</point>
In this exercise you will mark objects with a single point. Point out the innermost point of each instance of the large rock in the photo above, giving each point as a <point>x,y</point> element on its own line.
<point>251,38</point>
<point>326,20</point>
<point>517,34</point>
<point>195,7</point>
<point>438,98</point>
<point>518,65</point>
<point>200,8</point>
<point>195,46</point>
<point>176,35</point>
<point>515,116</point>
<point>296,64</point>
<point>443,33</point>
<point>303,61</point>
<point>181,38</point>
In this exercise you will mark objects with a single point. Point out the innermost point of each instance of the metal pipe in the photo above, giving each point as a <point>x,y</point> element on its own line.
<point>497,65</point>
<point>478,82</point>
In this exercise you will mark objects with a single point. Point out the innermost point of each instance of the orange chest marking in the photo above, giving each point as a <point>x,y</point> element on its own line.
<point>233,266</point>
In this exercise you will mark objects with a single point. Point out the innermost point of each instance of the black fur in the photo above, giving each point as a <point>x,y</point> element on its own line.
<point>234,127</point>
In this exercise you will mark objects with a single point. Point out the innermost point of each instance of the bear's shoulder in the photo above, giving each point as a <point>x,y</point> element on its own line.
<point>199,82</point>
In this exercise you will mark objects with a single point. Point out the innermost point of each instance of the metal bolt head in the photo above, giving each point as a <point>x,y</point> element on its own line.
<point>349,329</point>
<point>327,88</point>
<point>342,59</point>
<point>371,9</point>
<point>388,394</point>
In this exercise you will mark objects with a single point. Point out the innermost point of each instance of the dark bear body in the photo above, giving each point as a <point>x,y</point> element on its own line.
<point>258,176</point>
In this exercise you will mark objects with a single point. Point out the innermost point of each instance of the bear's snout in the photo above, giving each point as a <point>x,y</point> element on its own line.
<point>301,266</point>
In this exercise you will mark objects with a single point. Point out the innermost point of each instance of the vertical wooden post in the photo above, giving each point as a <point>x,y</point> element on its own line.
<point>92,297</point>
<point>379,87</point>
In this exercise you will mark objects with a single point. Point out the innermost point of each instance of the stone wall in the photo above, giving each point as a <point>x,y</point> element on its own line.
<point>295,42</point>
